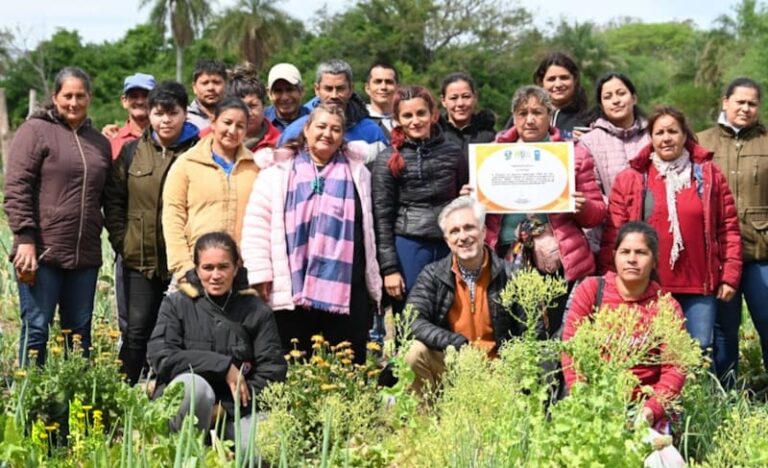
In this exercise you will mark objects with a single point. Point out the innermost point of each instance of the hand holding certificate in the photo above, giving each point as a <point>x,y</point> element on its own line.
<point>523,177</point>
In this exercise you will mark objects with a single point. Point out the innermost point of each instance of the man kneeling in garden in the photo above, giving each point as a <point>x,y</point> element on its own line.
<point>456,299</point>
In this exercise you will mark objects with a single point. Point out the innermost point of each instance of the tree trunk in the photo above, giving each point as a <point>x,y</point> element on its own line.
<point>5,137</point>
<point>179,63</point>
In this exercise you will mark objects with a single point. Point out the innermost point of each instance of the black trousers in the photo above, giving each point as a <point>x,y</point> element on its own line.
<point>143,298</point>
<point>302,323</point>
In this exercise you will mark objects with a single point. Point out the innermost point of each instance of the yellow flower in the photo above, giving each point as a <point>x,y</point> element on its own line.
<point>328,387</point>
<point>97,414</point>
<point>373,373</point>
<point>344,344</point>
<point>295,353</point>
<point>317,346</point>
<point>59,339</point>
<point>52,427</point>
<point>87,407</point>
<point>20,374</point>
<point>43,436</point>
<point>114,334</point>
<point>287,357</point>
<point>294,340</point>
<point>80,415</point>
<point>56,350</point>
<point>77,338</point>
<point>373,346</point>
<point>316,360</point>
<point>66,331</point>
<point>317,339</point>
<point>346,361</point>
<point>118,362</point>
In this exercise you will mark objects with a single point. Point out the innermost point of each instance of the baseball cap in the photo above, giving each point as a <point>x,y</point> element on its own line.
<point>284,71</point>
<point>139,80</point>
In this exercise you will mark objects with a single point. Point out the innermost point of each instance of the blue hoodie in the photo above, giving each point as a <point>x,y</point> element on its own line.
<point>359,126</point>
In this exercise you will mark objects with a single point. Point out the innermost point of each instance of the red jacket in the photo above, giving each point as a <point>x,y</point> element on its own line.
<point>577,258</point>
<point>268,140</point>
<point>665,380</point>
<point>721,225</point>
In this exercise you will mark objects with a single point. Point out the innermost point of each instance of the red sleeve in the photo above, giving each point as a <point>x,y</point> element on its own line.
<point>582,306</point>
<point>594,210</point>
<point>728,233</point>
<point>618,214</point>
<point>492,229</point>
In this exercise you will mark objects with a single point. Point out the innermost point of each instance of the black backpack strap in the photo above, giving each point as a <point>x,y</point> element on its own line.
<point>599,292</point>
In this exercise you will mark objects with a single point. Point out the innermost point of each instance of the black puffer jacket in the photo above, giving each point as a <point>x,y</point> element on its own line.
<point>408,205</point>
<point>432,297</point>
<point>191,332</point>
<point>479,130</point>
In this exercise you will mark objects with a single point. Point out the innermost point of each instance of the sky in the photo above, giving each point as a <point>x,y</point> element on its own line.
<point>108,20</point>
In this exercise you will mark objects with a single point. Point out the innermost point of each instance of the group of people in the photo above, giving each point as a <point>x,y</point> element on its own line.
<point>245,222</point>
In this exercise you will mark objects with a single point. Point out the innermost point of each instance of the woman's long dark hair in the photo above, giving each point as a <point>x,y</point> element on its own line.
<point>560,59</point>
<point>598,110</point>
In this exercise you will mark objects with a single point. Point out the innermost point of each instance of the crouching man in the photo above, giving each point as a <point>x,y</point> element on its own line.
<point>457,298</point>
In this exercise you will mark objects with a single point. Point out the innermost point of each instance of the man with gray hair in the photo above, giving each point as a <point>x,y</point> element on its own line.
<point>334,87</point>
<point>456,299</point>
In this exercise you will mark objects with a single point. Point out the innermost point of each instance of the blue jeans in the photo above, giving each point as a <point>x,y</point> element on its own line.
<point>699,313</point>
<point>753,289</point>
<point>414,254</point>
<point>72,290</point>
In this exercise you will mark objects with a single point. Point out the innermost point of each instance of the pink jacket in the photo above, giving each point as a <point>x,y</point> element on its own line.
<point>577,258</point>
<point>612,147</point>
<point>263,245</point>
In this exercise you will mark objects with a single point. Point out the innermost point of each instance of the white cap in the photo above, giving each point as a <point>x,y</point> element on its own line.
<point>284,71</point>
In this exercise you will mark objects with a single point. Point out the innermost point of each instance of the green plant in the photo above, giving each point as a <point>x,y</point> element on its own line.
<point>326,396</point>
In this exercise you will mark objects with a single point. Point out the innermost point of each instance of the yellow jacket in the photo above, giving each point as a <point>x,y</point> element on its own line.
<point>199,198</point>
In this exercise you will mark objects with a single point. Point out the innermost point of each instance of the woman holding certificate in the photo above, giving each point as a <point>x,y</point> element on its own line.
<point>554,243</point>
<point>673,185</point>
<point>412,181</point>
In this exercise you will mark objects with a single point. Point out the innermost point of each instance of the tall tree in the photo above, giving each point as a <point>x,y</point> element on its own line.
<point>256,28</point>
<point>186,18</point>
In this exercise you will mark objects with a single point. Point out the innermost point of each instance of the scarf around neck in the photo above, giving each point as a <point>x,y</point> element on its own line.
<point>319,231</point>
<point>677,176</point>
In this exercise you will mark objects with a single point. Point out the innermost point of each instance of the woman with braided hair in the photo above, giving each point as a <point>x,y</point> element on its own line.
<point>413,180</point>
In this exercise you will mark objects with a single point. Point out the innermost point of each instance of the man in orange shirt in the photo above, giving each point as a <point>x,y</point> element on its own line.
<point>457,298</point>
<point>136,88</point>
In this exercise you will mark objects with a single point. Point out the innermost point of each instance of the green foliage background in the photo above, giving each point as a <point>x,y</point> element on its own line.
<point>496,42</point>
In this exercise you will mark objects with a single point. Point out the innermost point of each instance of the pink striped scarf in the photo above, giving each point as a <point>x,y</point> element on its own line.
<point>320,230</point>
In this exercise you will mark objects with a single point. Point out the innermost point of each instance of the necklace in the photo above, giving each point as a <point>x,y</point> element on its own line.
<point>222,307</point>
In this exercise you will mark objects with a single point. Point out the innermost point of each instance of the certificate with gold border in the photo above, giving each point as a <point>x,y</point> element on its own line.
<point>523,177</point>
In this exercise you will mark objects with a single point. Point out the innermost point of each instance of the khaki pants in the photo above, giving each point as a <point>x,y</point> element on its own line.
<point>428,364</point>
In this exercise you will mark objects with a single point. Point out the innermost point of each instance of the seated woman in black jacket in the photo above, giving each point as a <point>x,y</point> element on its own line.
<point>221,330</point>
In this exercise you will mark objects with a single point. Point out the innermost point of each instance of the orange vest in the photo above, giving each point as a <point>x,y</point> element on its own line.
<point>473,319</point>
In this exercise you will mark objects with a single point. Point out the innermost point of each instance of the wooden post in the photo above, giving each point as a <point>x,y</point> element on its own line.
<point>32,101</point>
<point>5,131</point>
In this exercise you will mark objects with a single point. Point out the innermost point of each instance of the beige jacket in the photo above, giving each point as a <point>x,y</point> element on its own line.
<point>199,198</point>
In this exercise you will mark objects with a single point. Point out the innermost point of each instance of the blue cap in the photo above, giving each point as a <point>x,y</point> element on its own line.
<point>139,80</point>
